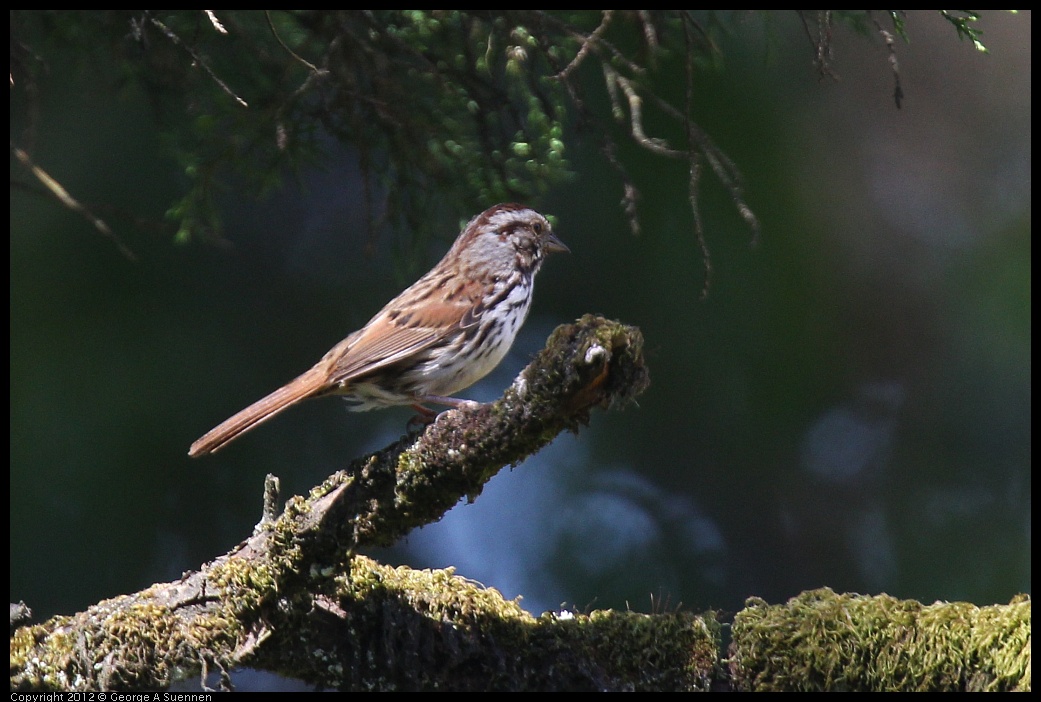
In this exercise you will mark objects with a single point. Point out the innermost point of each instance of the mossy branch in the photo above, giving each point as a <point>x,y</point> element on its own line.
<point>296,599</point>
<point>821,640</point>
<point>297,571</point>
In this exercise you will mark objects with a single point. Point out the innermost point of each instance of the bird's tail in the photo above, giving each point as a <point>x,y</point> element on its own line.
<point>307,385</point>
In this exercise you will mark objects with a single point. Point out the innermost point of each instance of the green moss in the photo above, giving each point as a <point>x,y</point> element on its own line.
<point>821,640</point>
<point>460,635</point>
<point>131,642</point>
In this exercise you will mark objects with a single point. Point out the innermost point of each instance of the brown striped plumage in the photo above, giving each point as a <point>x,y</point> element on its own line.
<point>439,336</point>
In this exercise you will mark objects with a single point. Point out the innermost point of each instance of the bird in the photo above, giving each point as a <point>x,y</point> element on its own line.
<point>437,337</point>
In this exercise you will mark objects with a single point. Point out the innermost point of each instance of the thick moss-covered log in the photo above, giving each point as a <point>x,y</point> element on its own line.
<point>821,640</point>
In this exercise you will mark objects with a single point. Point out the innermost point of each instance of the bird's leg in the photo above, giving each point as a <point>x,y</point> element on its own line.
<point>453,402</point>
<point>425,415</point>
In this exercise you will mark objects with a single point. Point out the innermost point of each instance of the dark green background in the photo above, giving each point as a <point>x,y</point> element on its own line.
<point>850,406</point>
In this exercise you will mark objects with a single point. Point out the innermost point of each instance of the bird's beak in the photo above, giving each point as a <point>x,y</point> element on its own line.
<point>554,245</point>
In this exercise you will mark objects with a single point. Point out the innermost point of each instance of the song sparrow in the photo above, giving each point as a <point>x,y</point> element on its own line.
<point>441,335</point>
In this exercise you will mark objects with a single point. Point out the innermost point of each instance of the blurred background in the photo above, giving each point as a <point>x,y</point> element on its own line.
<point>849,406</point>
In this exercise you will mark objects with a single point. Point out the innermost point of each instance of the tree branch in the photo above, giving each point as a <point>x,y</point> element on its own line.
<point>822,640</point>
<point>296,599</point>
<point>297,575</point>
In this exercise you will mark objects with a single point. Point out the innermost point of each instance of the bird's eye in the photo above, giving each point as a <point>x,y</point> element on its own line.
<point>537,227</point>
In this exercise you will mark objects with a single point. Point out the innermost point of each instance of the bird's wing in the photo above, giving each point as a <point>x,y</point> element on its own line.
<point>397,333</point>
